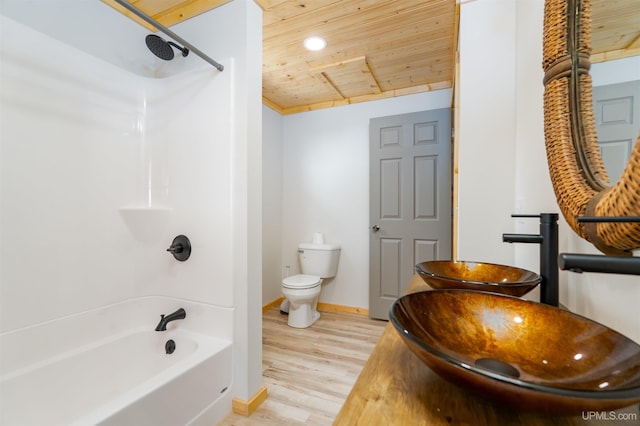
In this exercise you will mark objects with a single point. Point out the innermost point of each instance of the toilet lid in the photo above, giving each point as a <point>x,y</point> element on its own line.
<point>301,281</point>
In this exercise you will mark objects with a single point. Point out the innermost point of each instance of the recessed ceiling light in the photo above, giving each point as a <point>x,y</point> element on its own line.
<point>315,43</point>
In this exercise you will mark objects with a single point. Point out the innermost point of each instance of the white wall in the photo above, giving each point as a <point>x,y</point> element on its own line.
<point>326,186</point>
<point>487,130</point>
<point>272,231</point>
<point>237,26</point>
<point>118,40</point>
<point>616,71</point>
<point>533,189</point>
<point>502,157</point>
<point>65,130</point>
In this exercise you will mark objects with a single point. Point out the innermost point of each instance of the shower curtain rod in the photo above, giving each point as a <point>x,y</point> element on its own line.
<point>167,31</point>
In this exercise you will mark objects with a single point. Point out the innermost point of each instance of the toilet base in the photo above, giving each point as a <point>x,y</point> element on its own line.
<point>302,316</point>
<point>284,307</point>
<point>303,302</point>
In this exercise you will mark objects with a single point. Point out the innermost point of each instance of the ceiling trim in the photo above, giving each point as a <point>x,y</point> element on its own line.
<point>615,54</point>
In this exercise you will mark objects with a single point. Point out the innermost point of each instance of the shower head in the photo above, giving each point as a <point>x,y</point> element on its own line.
<point>162,48</point>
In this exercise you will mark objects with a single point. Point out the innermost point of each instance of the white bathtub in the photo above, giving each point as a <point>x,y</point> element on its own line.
<point>108,366</point>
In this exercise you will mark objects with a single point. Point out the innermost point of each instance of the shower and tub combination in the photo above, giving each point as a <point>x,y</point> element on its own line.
<point>100,322</point>
<point>109,366</point>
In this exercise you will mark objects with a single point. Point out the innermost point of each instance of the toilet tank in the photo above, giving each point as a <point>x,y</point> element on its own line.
<point>319,259</point>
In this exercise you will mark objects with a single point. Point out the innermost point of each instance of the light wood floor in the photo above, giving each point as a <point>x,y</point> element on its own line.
<point>309,372</point>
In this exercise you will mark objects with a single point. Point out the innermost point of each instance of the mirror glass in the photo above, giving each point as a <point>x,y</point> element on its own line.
<point>616,105</point>
<point>615,72</point>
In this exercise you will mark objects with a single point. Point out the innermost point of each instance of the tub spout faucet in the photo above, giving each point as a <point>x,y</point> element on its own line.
<point>166,319</point>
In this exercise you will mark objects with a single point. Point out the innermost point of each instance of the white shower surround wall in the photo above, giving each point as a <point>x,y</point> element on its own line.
<point>84,144</point>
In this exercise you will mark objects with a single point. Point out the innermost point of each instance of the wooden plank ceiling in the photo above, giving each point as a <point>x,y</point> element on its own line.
<point>167,12</point>
<point>375,48</point>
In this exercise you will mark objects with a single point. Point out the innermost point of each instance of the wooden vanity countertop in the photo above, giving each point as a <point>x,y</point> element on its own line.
<point>396,388</point>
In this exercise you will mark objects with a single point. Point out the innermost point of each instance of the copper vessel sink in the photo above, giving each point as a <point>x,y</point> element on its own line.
<point>459,274</point>
<point>519,353</point>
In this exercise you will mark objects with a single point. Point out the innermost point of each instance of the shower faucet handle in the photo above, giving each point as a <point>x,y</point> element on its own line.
<point>180,248</point>
<point>177,248</point>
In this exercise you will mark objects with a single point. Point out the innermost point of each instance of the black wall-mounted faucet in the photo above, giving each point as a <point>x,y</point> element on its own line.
<point>599,263</point>
<point>166,319</point>
<point>579,263</point>
<point>548,240</point>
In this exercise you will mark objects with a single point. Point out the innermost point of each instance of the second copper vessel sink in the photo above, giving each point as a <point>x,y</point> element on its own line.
<point>519,353</point>
<point>491,277</point>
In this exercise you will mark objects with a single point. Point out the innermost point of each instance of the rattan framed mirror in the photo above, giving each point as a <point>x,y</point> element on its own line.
<point>577,172</point>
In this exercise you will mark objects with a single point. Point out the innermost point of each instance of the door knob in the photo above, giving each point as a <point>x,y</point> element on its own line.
<point>375,228</point>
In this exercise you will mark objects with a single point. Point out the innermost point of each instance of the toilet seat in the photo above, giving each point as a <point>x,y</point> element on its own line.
<point>301,281</point>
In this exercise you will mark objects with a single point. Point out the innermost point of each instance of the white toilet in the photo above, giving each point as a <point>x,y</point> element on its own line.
<point>318,261</point>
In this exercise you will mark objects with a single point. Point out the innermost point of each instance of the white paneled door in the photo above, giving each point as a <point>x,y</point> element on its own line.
<point>410,200</point>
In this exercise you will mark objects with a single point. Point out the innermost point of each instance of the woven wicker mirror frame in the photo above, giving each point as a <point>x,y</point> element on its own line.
<point>577,172</point>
